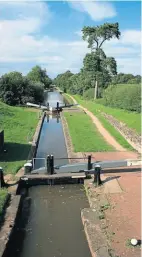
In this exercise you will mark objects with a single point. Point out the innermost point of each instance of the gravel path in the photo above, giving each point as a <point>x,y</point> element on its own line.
<point>107,136</point>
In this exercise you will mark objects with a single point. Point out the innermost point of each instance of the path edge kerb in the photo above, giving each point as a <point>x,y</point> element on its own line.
<point>11,212</point>
<point>9,222</point>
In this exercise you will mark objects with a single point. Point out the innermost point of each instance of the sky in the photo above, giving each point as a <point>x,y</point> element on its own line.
<point>48,33</point>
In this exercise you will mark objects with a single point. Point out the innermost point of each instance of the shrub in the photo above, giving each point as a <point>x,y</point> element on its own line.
<point>125,96</point>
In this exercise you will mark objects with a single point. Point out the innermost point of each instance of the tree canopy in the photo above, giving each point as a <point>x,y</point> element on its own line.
<point>97,35</point>
<point>38,74</point>
<point>16,89</point>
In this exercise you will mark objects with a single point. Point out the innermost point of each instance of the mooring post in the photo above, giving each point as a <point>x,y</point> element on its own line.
<point>57,106</point>
<point>2,183</point>
<point>52,164</point>
<point>27,167</point>
<point>89,162</point>
<point>97,174</point>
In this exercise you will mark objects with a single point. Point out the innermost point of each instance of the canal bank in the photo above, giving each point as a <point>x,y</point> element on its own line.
<point>49,221</point>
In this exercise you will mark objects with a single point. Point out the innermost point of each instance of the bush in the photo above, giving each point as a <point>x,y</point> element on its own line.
<point>16,89</point>
<point>89,94</point>
<point>125,96</point>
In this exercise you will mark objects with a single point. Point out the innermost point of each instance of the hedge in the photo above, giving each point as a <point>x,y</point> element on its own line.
<point>125,96</point>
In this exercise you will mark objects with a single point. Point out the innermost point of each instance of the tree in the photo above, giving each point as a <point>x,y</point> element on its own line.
<point>39,75</point>
<point>62,80</point>
<point>122,78</point>
<point>17,90</point>
<point>96,36</point>
<point>11,88</point>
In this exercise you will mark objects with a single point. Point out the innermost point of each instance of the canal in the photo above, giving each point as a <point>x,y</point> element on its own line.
<point>49,222</point>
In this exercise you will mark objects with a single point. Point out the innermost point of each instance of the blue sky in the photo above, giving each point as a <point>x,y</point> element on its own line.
<point>49,34</point>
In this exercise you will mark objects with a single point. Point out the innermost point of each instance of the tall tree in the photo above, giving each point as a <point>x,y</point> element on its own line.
<point>38,74</point>
<point>96,36</point>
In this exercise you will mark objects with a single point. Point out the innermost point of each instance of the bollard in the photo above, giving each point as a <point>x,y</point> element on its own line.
<point>2,183</point>
<point>97,178</point>
<point>89,162</point>
<point>52,164</point>
<point>27,167</point>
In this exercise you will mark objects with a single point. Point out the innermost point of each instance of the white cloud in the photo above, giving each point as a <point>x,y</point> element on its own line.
<point>96,10</point>
<point>19,45</point>
<point>131,37</point>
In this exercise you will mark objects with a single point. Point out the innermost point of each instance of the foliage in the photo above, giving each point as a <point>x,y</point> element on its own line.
<point>126,97</point>
<point>131,119</point>
<point>96,65</point>
<point>19,125</point>
<point>97,35</point>
<point>17,90</point>
<point>88,94</point>
<point>37,74</point>
<point>84,134</point>
<point>62,81</point>
<point>122,78</point>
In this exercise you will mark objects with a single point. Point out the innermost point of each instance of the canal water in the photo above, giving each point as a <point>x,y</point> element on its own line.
<point>49,223</point>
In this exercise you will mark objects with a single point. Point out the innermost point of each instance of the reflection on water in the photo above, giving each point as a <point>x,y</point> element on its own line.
<point>52,137</point>
<point>51,142</point>
<point>54,227</point>
<point>52,98</point>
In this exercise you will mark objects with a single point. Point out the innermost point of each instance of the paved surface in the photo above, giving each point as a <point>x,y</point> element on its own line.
<point>124,216</point>
<point>108,156</point>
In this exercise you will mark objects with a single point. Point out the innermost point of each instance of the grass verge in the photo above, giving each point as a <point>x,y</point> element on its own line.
<point>119,138</point>
<point>19,125</point>
<point>131,119</point>
<point>3,196</point>
<point>68,98</point>
<point>84,134</point>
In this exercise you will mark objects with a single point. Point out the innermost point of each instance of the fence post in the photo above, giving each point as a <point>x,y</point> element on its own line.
<point>97,173</point>
<point>89,162</point>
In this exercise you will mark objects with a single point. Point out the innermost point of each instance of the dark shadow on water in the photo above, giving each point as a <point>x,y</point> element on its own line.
<point>15,244</point>
<point>14,152</point>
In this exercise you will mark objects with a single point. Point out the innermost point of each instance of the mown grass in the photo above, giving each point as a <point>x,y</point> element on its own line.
<point>119,138</point>
<point>19,125</point>
<point>84,134</point>
<point>131,119</point>
<point>68,98</point>
<point>3,195</point>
